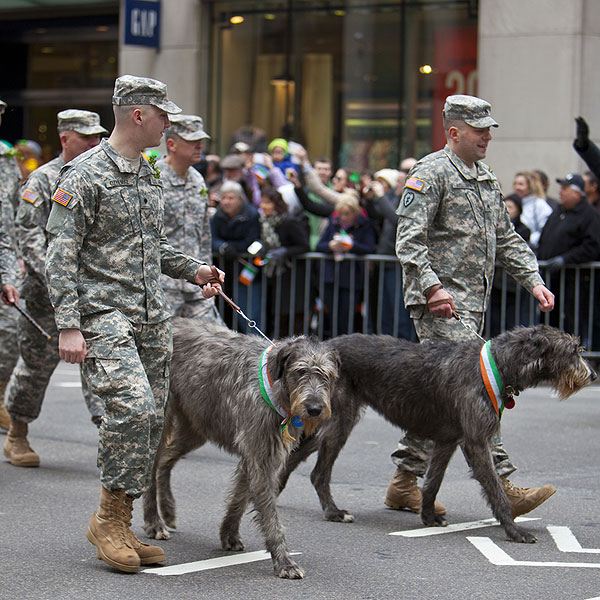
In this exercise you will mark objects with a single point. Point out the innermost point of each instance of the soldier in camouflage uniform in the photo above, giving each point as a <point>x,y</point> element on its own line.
<point>452,227</point>
<point>79,130</point>
<point>186,220</point>
<point>10,177</point>
<point>106,251</point>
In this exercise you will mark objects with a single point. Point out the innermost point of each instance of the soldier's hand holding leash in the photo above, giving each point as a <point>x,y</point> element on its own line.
<point>210,279</point>
<point>10,294</point>
<point>439,302</point>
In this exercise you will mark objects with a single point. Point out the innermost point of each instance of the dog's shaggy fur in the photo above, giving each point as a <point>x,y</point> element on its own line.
<point>215,396</point>
<point>436,391</point>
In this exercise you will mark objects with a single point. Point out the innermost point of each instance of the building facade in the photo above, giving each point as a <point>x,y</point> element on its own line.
<point>360,81</point>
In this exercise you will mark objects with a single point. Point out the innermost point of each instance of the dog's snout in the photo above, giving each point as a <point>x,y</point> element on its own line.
<point>314,410</point>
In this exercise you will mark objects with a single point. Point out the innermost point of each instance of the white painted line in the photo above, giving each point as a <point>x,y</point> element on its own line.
<point>595,598</point>
<point>426,531</point>
<point>213,563</point>
<point>498,557</point>
<point>68,384</point>
<point>567,542</point>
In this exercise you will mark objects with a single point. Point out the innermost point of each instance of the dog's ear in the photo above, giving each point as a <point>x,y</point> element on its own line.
<point>282,355</point>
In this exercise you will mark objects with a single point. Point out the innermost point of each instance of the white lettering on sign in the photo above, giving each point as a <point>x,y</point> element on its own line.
<point>143,22</point>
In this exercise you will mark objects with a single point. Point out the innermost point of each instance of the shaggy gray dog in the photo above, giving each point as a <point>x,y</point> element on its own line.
<point>215,395</point>
<point>436,391</point>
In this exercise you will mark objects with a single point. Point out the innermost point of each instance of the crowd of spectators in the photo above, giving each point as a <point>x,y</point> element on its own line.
<point>290,205</point>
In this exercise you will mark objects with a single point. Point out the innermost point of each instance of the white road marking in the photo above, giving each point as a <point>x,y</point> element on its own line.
<point>68,384</point>
<point>498,557</point>
<point>426,531</point>
<point>567,542</point>
<point>213,563</point>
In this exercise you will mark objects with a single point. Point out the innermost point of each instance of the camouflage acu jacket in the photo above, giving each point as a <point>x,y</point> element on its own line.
<point>32,215</point>
<point>186,220</point>
<point>452,227</point>
<point>10,177</point>
<point>107,245</point>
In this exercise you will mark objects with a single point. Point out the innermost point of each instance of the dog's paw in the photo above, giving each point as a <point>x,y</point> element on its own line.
<point>171,522</point>
<point>232,544</point>
<point>339,516</point>
<point>157,532</point>
<point>522,536</point>
<point>434,520</point>
<point>290,571</point>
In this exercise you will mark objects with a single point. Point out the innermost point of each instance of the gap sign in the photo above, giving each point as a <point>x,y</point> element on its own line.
<point>142,23</point>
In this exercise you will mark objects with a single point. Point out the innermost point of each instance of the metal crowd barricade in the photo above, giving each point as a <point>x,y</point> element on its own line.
<point>294,303</point>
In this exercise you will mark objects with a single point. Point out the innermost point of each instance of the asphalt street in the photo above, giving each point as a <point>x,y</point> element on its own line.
<point>44,514</point>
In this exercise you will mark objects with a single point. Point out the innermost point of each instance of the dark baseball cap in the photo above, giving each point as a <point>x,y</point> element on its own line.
<point>574,180</point>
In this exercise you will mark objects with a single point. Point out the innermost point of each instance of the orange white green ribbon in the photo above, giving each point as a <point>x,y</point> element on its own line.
<point>491,378</point>
<point>266,390</point>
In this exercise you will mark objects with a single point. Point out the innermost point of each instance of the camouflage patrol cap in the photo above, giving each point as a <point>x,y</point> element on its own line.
<point>131,91</point>
<point>188,127</point>
<point>2,107</point>
<point>470,109</point>
<point>84,122</point>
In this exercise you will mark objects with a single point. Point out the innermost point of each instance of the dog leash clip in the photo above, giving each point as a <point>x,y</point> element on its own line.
<point>466,325</point>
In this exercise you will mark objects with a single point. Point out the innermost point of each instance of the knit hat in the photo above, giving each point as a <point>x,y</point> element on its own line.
<point>278,142</point>
<point>390,176</point>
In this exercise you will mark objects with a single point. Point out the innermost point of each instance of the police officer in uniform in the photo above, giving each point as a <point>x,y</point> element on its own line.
<point>106,252</point>
<point>78,130</point>
<point>452,227</point>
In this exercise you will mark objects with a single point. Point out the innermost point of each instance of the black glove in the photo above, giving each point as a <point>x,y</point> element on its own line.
<point>555,264</point>
<point>582,135</point>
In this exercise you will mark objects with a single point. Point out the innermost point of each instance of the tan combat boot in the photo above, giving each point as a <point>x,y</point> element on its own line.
<point>404,494</point>
<point>524,500</point>
<point>108,531</point>
<point>17,448</point>
<point>148,554</point>
<point>4,416</point>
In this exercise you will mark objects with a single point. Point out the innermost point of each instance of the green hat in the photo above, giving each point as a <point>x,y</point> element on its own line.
<point>131,90</point>
<point>188,127</point>
<point>278,142</point>
<point>84,122</point>
<point>470,109</point>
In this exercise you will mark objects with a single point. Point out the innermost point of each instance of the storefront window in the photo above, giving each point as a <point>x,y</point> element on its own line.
<point>360,82</point>
<point>56,64</point>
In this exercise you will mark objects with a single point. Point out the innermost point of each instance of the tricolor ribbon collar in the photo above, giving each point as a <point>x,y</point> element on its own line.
<point>264,380</point>
<point>493,381</point>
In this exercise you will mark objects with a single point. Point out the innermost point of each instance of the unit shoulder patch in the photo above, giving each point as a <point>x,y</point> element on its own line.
<point>414,184</point>
<point>62,197</point>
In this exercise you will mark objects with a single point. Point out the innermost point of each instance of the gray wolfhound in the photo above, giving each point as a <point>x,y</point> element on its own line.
<point>437,391</point>
<point>216,395</point>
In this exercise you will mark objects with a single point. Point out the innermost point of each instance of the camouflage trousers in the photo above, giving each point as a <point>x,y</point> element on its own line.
<point>37,360</point>
<point>413,453</point>
<point>127,367</point>
<point>9,350</point>
<point>190,306</point>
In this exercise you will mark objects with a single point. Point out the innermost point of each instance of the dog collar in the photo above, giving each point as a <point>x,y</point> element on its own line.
<point>493,381</point>
<point>266,391</point>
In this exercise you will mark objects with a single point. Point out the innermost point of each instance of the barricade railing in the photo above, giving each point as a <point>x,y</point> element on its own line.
<point>314,294</point>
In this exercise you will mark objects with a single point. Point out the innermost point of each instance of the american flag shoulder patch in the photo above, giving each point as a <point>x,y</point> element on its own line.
<point>62,197</point>
<point>414,184</point>
<point>30,196</point>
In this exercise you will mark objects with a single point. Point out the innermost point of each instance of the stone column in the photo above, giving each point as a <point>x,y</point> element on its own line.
<point>182,60</point>
<point>538,66</point>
